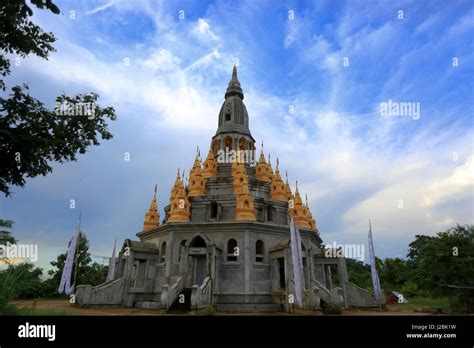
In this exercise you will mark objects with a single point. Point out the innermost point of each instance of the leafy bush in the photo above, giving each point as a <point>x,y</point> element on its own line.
<point>461,301</point>
<point>8,291</point>
<point>210,310</point>
<point>409,289</point>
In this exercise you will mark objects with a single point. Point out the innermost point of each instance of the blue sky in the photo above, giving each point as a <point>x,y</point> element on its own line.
<point>354,163</point>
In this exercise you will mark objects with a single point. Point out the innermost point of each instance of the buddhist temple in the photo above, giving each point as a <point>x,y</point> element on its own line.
<point>224,240</point>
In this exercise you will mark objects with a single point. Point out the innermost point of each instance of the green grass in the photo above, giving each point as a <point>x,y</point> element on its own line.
<point>425,302</point>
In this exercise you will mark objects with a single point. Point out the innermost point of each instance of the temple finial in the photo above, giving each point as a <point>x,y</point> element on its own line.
<point>234,72</point>
<point>234,89</point>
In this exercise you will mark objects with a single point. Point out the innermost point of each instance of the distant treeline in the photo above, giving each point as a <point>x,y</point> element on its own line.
<point>436,266</point>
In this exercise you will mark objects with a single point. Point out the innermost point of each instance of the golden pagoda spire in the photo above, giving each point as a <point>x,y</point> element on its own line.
<point>179,203</point>
<point>262,156</point>
<point>270,169</point>
<point>244,210</point>
<point>310,219</point>
<point>210,166</point>
<point>289,194</point>
<point>300,211</point>
<point>152,216</point>
<point>277,187</point>
<point>196,179</point>
<point>239,173</point>
<point>262,170</point>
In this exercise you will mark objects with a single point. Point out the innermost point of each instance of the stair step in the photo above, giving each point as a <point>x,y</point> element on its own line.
<point>147,304</point>
<point>177,306</point>
<point>250,307</point>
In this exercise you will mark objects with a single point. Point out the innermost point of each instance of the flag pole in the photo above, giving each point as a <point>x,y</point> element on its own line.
<point>77,251</point>
<point>371,247</point>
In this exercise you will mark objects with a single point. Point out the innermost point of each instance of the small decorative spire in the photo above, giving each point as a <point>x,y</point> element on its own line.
<point>234,72</point>
<point>306,196</point>
<point>269,158</point>
<point>234,89</point>
<point>156,189</point>
<point>296,190</point>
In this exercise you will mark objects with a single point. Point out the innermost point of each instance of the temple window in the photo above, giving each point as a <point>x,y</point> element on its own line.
<point>259,251</point>
<point>270,214</point>
<point>163,252</point>
<point>213,211</point>
<point>227,117</point>
<point>182,248</point>
<point>232,250</point>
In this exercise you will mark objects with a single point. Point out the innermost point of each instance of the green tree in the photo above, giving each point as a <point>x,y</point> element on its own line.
<point>27,280</point>
<point>393,273</point>
<point>359,273</point>
<point>88,272</point>
<point>31,136</point>
<point>5,235</point>
<point>444,265</point>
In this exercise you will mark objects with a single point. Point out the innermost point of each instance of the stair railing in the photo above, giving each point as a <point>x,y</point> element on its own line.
<point>170,293</point>
<point>201,295</point>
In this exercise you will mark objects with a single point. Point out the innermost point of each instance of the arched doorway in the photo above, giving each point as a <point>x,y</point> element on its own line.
<point>197,261</point>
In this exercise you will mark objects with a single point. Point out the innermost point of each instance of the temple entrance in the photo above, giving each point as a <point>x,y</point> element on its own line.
<point>199,269</point>
<point>197,262</point>
<point>281,272</point>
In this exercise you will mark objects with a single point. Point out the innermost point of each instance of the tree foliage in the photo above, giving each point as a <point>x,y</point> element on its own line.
<point>439,265</point>
<point>5,235</point>
<point>31,136</point>
<point>88,272</point>
<point>443,264</point>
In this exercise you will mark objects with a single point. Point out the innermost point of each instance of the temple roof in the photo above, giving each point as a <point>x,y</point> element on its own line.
<point>233,116</point>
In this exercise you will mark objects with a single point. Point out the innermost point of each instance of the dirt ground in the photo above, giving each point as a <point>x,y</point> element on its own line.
<point>64,307</point>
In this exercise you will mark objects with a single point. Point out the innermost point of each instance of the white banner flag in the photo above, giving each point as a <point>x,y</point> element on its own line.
<point>65,285</point>
<point>373,266</point>
<point>296,255</point>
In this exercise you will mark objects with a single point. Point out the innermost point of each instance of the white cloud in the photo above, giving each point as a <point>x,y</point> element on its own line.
<point>458,184</point>
<point>162,60</point>
<point>427,24</point>
<point>202,31</point>
<point>100,8</point>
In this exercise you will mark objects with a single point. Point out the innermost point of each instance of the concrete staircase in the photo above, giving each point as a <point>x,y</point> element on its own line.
<point>177,306</point>
<point>253,303</point>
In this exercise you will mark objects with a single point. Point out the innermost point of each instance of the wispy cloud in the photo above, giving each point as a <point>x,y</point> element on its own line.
<point>100,8</point>
<point>167,77</point>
